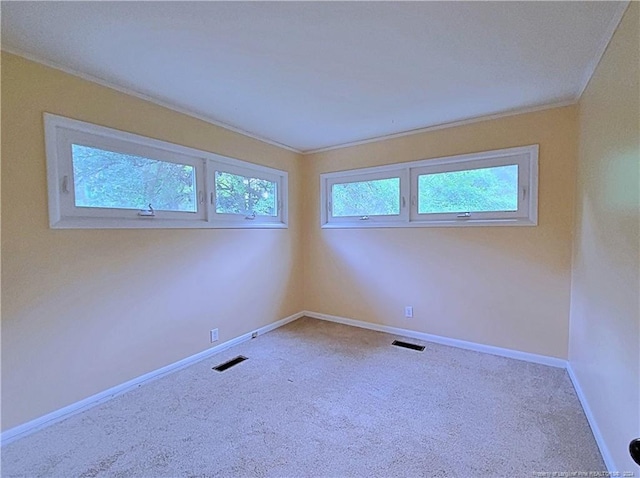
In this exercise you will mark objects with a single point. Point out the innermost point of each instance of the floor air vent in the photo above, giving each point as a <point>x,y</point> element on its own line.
<point>407,345</point>
<point>229,363</point>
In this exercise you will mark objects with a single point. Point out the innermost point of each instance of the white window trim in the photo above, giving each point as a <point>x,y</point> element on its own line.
<point>369,176</point>
<point>246,221</point>
<point>527,215</point>
<point>63,214</point>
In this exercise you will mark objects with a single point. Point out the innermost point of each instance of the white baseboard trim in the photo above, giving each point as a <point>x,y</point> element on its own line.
<point>602,445</point>
<point>58,415</point>
<point>49,419</point>
<point>503,352</point>
<point>462,344</point>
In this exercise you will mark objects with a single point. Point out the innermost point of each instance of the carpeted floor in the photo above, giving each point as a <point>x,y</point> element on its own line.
<point>322,399</point>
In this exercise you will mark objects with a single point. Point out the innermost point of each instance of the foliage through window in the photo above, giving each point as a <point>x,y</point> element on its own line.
<point>489,188</point>
<point>473,190</point>
<point>106,179</point>
<point>236,194</point>
<point>103,178</point>
<point>380,197</point>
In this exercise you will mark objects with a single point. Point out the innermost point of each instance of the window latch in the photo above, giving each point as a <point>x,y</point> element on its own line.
<point>147,212</point>
<point>364,218</point>
<point>252,217</point>
<point>464,215</point>
<point>65,184</point>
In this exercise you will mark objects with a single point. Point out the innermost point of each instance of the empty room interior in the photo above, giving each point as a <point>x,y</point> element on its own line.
<point>320,239</point>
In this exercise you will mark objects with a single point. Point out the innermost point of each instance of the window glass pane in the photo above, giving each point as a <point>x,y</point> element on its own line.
<point>106,179</point>
<point>474,190</point>
<point>380,197</point>
<point>237,194</point>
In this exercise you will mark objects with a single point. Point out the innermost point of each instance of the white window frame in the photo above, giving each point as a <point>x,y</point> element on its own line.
<point>61,133</point>
<point>358,176</point>
<point>526,157</point>
<point>246,220</point>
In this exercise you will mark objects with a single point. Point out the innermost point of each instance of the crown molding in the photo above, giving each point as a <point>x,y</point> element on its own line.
<point>142,96</point>
<point>604,44</point>
<point>375,139</point>
<point>452,124</point>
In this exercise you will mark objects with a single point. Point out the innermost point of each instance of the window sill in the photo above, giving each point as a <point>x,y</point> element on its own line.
<point>449,223</point>
<point>154,223</point>
<point>246,225</point>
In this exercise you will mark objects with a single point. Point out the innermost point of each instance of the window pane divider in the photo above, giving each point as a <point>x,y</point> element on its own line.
<point>525,193</point>
<point>62,135</point>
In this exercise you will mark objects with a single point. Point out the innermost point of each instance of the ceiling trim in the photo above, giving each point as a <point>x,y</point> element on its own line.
<point>142,96</point>
<point>452,124</point>
<point>604,43</point>
<point>558,104</point>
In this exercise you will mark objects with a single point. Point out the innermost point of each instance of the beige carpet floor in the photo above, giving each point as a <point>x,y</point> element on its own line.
<point>321,399</point>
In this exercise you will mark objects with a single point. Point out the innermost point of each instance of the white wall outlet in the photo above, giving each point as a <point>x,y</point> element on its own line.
<point>214,335</point>
<point>408,311</point>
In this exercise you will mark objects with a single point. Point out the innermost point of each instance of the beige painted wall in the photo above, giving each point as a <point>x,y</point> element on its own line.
<point>84,310</point>
<point>605,312</point>
<point>76,314</point>
<point>501,286</point>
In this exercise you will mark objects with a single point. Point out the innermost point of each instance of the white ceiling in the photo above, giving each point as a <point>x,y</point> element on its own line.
<point>311,75</point>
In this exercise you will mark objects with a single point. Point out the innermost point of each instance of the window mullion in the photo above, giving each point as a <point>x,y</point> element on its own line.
<point>474,189</point>
<point>104,178</point>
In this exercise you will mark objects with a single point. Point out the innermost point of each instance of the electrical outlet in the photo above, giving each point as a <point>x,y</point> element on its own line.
<point>214,335</point>
<point>408,311</point>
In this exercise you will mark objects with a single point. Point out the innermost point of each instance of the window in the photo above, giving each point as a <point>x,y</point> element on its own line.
<point>477,190</point>
<point>107,179</point>
<point>491,188</point>
<point>104,178</point>
<point>247,196</point>
<point>374,197</point>
<point>377,197</point>
<point>237,194</point>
